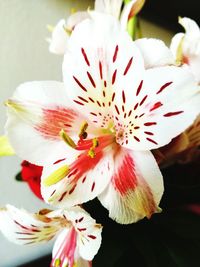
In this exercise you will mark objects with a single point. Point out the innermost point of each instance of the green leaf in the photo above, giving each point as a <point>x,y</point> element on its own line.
<point>5,147</point>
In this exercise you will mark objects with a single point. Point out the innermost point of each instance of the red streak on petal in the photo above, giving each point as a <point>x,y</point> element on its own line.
<point>128,66</point>
<point>72,190</point>
<point>116,107</point>
<point>78,102</point>
<point>114,76</point>
<point>149,133</point>
<point>149,123</point>
<point>58,161</point>
<point>93,185</point>
<point>143,100</point>
<point>92,236</point>
<point>113,97</point>
<point>100,70</point>
<point>91,99</point>
<point>62,196</point>
<point>136,138</point>
<point>91,79</point>
<point>125,177</point>
<point>92,113</point>
<point>139,88</point>
<point>129,114</point>
<point>115,53</point>
<point>163,87</point>
<point>80,220</point>
<point>156,105</point>
<point>53,120</point>
<point>85,56</point>
<point>79,84</point>
<point>169,114</point>
<point>81,229</point>
<point>83,99</point>
<point>98,103</point>
<point>105,84</point>
<point>136,106</point>
<point>152,141</point>
<point>123,97</point>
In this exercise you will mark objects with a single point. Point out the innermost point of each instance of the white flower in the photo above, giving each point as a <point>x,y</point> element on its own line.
<point>78,235</point>
<point>94,133</point>
<point>186,46</point>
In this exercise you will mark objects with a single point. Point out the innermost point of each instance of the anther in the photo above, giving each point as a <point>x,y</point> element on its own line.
<point>83,134</point>
<point>67,139</point>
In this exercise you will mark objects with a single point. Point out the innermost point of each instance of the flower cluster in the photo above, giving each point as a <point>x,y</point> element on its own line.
<point>124,108</point>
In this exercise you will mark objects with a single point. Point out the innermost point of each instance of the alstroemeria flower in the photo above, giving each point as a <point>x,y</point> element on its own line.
<point>78,235</point>
<point>98,130</point>
<point>186,46</point>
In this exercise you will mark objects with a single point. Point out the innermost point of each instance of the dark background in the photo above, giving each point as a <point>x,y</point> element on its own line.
<point>166,12</point>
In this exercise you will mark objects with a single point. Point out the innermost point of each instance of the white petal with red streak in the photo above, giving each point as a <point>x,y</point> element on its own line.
<point>24,228</point>
<point>88,232</point>
<point>136,187</point>
<point>166,103</point>
<point>100,62</point>
<point>43,109</point>
<point>86,179</point>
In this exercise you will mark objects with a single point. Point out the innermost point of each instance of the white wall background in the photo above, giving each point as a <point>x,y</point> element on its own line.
<point>24,56</point>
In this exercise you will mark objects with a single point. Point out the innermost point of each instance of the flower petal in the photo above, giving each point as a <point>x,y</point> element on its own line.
<point>85,174</point>
<point>154,52</point>
<point>111,7</point>
<point>167,96</point>
<point>100,61</point>
<point>130,10</point>
<point>25,228</point>
<point>88,232</point>
<point>58,41</point>
<point>37,113</point>
<point>64,249</point>
<point>190,26</point>
<point>136,187</point>
<point>76,18</point>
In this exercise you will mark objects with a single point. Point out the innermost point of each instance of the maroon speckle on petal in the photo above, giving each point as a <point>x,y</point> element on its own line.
<point>114,76</point>
<point>92,236</point>
<point>123,97</point>
<point>128,66</point>
<point>79,84</point>
<point>149,123</point>
<point>152,141</point>
<point>85,56</point>
<point>139,88</point>
<point>115,53</point>
<point>163,87</point>
<point>169,114</point>
<point>91,79</point>
<point>100,70</point>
